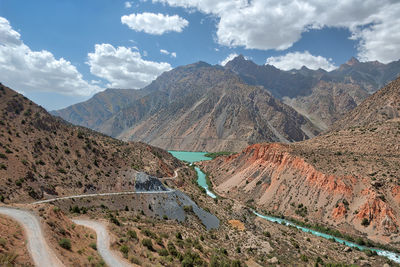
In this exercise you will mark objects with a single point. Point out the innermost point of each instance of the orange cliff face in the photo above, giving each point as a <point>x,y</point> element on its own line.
<point>271,177</point>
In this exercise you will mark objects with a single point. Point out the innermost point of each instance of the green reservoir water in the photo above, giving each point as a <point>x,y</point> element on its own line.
<point>192,157</point>
<point>201,180</point>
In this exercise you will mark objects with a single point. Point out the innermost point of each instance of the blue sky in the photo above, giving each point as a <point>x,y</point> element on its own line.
<point>33,33</point>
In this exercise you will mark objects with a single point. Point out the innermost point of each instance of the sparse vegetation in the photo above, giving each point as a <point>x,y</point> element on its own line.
<point>365,222</point>
<point>93,245</point>
<point>217,154</point>
<point>65,243</point>
<point>148,244</point>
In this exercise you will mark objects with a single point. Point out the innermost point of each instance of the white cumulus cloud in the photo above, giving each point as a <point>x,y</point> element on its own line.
<point>271,24</point>
<point>228,58</point>
<point>25,70</point>
<point>296,60</point>
<point>124,67</point>
<point>163,51</point>
<point>166,52</point>
<point>156,24</point>
<point>128,4</point>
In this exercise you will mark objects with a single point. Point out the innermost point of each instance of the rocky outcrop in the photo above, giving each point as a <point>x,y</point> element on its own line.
<point>273,177</point>
<point>146,183</point>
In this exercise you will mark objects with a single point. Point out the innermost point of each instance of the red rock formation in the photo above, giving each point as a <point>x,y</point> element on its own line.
<point>272,177</point>
<point>339,212</point>
<point>378,213</point>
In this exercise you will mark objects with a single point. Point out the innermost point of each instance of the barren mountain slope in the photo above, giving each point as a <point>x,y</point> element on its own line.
<point>41,155</point>
<point>328,102</point>
<point>210,109</point>
<point>33,147</point>
<point>348,179</point>
<point>381,106</point>
<point>99,108</point>
<point>321,96</point>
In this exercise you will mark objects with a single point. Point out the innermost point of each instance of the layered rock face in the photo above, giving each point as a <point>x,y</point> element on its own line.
<point>272,177</point>
<point>347,178</point>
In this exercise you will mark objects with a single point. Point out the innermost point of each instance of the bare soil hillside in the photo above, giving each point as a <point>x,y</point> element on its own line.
<point>42,156</point>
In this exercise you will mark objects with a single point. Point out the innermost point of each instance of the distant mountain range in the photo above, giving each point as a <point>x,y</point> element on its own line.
<point>321,96</point>
<point>195,107</point>
<point>382,106</point>
<point>213,108</point>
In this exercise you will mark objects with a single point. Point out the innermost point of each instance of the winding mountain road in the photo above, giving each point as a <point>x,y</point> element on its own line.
<point>114,193</point>
<point>41,254</point>
<point>103,243</point>
<point>104,194</point>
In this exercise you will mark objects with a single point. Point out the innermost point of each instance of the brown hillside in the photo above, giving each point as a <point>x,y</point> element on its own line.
<point>340,179</point>
<point>381,106</point>
<point>42,156</point>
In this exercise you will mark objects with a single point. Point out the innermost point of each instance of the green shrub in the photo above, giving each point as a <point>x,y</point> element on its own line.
<point>80,134</point>
<point>3,242</point>
<point>365,222</point>
<point>304,258</point>
<point>188,208</point>
<point>93,246</point>
<point>132,234</point>
<point>163,252</point>
<point>124,249</point>
<point>115,221</point>
<point>65,243</point>
<point>370,253</point>
<point>61,170</point>
<point>149,233</point>
<point>135,261</point>
<point>75,209</point>
<point>19,182</point>
<point>148,244</point>
<point>360,241</point>
<point>179,235</point>
<point>172,249</point>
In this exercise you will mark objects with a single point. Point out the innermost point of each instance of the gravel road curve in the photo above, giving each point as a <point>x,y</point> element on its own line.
<point>103,243</point>
<point>40,252</point>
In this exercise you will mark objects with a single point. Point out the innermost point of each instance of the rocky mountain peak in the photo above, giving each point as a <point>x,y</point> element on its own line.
<point>352,61</point>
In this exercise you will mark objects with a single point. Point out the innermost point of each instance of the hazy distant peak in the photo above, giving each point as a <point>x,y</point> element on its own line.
<point>352,61</point>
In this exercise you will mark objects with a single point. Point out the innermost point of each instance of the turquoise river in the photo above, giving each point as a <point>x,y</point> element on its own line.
<point>192,157</point>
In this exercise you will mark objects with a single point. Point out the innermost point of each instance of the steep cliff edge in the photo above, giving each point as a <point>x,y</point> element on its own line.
<point>348,178</point>
<point>312,183</point>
